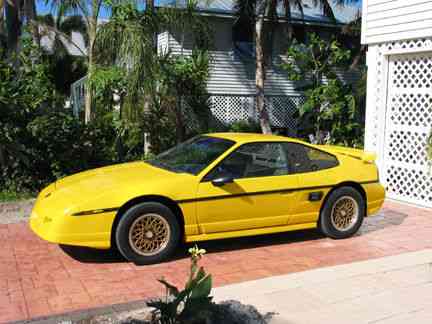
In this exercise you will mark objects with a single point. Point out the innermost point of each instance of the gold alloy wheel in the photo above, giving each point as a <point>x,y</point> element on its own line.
<point>149,234</point>
<point>345,213</point>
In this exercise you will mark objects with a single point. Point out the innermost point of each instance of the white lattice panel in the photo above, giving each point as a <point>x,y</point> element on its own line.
<point>377,87</point>
<point>230,108</point>
<point>408,122</point>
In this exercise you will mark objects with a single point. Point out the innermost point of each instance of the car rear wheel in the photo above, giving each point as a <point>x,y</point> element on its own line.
<point>147,233</point>
<point>342,214</point>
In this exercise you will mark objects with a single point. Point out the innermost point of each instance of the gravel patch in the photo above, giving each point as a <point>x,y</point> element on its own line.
<point>15,212</point>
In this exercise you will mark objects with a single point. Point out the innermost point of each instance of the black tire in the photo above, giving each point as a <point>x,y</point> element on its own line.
<point>332,221</point>
<point>134,217</point>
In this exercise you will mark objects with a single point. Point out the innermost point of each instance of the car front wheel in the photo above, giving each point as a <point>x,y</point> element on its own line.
<point>343,213</point>
<point>147,233</point>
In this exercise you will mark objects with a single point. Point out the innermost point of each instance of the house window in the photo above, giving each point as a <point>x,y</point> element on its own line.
<point>299,33</point>
<point>243,40</point>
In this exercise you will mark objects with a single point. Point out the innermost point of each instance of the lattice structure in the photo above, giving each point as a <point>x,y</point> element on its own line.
<point>377,86</point>
<point>400,119</point>
<point>227,109</point>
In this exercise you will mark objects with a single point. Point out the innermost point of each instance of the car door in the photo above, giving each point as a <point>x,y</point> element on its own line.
<point>318,173</point>
<point>260,194</point>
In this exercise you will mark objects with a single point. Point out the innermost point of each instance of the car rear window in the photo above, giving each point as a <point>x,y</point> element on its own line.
<point>307,159</point>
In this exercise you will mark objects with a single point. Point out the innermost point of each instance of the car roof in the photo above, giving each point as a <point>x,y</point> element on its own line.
<point>253,137</point>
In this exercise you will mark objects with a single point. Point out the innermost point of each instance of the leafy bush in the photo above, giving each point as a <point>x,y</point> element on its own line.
<point>338,118</point>
<point>243,126</point>
<point>25,93</point>
<point>40,141</point>
<point>331,113</point>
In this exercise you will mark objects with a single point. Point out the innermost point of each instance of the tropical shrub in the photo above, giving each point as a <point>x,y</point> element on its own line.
<point>40,141</point>
<point>184,79</point>
<point>188,306</point>
<point>331,113</point>
<point>160,124</point>
<point>26,92</point>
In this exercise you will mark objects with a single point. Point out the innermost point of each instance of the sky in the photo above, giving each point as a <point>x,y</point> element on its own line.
<point>43,8</point>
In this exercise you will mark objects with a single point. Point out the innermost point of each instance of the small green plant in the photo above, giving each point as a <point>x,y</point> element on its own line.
<point>190,305</point>
<point>13,195</point>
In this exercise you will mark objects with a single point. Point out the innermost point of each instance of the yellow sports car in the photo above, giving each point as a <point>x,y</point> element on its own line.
<point>213,186</point>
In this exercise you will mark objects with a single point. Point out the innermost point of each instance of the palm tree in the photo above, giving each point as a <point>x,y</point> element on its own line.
<point>262,14</point>
<point>13,14</point>
<point>59,30</point>
<point>128,44</point>
<point>89,11</point>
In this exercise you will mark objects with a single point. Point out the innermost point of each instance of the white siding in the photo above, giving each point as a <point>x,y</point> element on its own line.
<point>230,74</point>
<point>162,42</point>
<point>391,20</point>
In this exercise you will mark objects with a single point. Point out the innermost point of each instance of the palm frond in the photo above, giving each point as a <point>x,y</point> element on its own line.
<point>47,19</point>
<point>354,27</point>
<point>299,5</point>
<point>72,7</point>
<point>245,10</point>
<point>74,24</point>
<point>326,8</point>
<point>63,36</point>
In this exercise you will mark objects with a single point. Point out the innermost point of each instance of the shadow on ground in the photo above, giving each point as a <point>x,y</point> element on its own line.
<point>89,255</point>
<point>383,220</point>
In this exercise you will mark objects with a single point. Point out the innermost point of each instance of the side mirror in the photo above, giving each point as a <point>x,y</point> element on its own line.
<point>222,180</point>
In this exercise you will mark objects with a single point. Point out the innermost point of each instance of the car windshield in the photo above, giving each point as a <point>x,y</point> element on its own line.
<point>192,156</point>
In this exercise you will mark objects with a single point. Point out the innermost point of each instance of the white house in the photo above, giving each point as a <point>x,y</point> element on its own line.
<point>399,94</point>
<point>232,69</point>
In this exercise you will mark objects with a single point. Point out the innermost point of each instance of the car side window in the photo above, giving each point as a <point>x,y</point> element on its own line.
<point>306,159</point>
<point>253,160</point>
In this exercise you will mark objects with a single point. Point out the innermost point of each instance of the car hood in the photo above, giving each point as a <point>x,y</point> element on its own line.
<point>112,176</point>
<point>107,187</point>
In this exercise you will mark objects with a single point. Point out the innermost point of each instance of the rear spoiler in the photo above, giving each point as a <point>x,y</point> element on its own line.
<point>365,156</point>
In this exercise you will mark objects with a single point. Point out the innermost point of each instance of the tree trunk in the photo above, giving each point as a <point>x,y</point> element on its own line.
<point>150,5</point>
<point>288,26</point>
<point>30,13</point>
<point>180,128</point>
<point>88,116</point>
<point>13,26</point>
<point>260,70</point>
<point>92,28</point>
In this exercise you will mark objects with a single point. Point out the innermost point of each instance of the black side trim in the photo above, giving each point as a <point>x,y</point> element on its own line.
<point>288,190</point>
<point>96,211</point>
<point>183,201</point>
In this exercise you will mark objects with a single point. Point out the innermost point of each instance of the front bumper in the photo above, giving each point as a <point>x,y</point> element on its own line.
<point>47,221</point>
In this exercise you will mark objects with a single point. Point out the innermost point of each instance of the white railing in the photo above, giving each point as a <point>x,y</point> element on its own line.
<point>78,95</point>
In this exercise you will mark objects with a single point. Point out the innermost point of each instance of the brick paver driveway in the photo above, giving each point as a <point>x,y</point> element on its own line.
<point>38,278</point>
